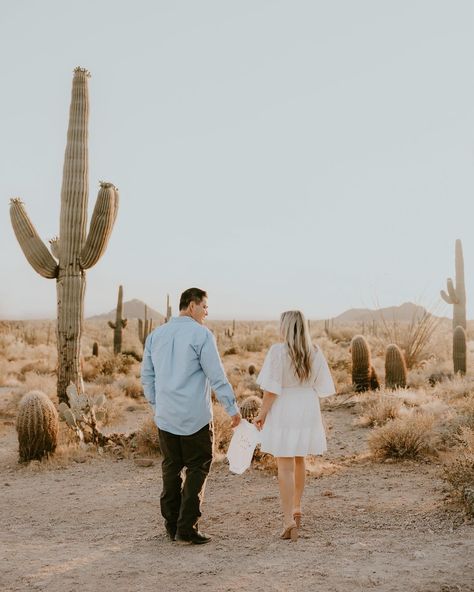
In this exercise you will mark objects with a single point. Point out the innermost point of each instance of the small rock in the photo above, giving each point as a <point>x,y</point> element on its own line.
<point>144,462</point>
<point>419,555</point>
<point>7,484</point>
<point>328,493</point>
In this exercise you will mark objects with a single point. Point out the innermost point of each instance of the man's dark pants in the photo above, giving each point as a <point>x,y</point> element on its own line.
<point>181,503</point>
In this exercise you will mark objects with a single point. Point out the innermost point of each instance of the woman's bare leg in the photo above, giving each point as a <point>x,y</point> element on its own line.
<point>300,475</point>
<point>286,482</point>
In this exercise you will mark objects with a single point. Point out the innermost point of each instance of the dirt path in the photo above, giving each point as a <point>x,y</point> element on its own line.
<point>96,525</point>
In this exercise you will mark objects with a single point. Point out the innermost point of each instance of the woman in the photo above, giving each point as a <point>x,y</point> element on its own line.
<point>293,377</point>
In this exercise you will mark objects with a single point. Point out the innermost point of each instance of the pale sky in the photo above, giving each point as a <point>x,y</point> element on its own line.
<point>279,154</point>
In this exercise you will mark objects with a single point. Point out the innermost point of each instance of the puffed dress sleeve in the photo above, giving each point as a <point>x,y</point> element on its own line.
<point>271,375</point>
<point>323,383</point>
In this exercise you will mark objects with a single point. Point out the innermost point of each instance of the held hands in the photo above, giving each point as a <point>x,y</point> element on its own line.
<point>259,420</point>
<point>235,420</point>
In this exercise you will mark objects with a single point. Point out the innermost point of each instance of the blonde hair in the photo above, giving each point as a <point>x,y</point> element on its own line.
<point>295,333</point>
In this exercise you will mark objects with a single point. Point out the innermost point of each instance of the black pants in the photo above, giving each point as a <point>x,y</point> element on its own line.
<point>181,502</point>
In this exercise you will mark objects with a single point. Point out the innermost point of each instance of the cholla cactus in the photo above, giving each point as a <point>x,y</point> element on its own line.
<point>250,407</point>
<point>395,368</point>
<point>144,327</point>
<point>37,426</point>
<point>457,294</point>
<point>82,414</point>
<point>76,250</point>
<point>362,370</point>
<point>459,350</point>
<point>119,324</point>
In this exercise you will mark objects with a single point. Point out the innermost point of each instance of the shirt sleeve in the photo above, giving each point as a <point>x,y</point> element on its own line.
<point>148,374</point>
<point>323,383</point>
<point>271,374</point>
<point>213,369</point>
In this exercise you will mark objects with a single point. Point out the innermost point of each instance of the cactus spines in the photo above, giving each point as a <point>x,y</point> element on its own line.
<point>37,426</point>
<point>144,327</point>
<point>459,350</point>
<point>119,324</point>
<point>361,364</point>
<point>75,250</point>
<point>250,407</point>
<point>395,367</point>
<point>457,294</point>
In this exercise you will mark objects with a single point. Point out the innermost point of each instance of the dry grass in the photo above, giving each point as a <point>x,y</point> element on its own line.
<point>408,437</point>
<point>459,467</point>
<point>131,387</point>
<point>222,429</point>
<point>378,410</point>
<point>147,442</point>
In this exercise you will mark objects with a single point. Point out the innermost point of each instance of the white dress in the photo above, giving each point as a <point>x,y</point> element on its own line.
<point>294,426</point>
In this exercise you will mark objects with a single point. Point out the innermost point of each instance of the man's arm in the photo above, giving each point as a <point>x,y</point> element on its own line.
<point>148,374</point>
<point>213,369</point>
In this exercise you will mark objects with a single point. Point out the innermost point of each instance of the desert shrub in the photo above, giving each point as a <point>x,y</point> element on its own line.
<point>147,439</point>
<point>222,429</point>
<point>131,387</point>
<point>458,468</point>
<point>91,369</point>
<point>133,354</point>
<point>231,351</point>
<point>378,410</point>
<point>405,437</point>
<point>38,366</point>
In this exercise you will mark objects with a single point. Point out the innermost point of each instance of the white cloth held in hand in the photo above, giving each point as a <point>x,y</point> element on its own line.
<point>242,446</point>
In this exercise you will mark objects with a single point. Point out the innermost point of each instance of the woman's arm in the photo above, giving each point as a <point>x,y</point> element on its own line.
<point>268,399</point>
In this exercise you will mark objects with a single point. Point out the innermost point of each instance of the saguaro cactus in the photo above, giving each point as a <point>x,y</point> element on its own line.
<point>75,251</point>
<point>459,350</point>
<point>395,367</point>
<point>144,327</point>
<point>457,294</point>
<point>119,324</point>
<point>169,312</point>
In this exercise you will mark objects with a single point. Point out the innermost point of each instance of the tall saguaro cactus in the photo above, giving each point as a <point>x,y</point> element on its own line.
<point>144,327</point>
<point>119,324</point>
<point>75,250</point>
<point>457,294</point>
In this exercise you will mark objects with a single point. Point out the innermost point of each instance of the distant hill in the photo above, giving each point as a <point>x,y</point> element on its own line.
<point>404,313</point>
<point>132,309</point>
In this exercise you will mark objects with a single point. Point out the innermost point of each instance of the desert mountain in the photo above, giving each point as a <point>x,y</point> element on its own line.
<point>132,309</point>
<point>404,313</point>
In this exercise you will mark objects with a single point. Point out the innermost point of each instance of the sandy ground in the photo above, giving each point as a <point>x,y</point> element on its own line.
<point>96,525</point>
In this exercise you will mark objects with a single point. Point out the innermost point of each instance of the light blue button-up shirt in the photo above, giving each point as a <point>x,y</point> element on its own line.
<point>180,365</point>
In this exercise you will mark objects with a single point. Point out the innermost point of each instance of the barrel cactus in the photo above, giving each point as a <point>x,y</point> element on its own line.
<point>457,294</point>
<point>395,368</point>
<point>37,426</point>
<point>459,350</point>
<point>362,371</point>
<point>250,407</point>
<point>76,250</point>
<point>120,323</point>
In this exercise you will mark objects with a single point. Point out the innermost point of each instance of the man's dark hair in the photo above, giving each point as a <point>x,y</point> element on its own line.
<point>191,295</point>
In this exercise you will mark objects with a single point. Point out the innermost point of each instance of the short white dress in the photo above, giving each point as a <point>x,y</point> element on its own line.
<point>294,426</point>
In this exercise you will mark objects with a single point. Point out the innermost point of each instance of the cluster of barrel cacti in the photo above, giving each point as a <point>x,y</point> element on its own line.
<point>145,327</point>
<point>364,376</point>
<point>456,295</point>
<point>120,323</point>
<point>37,426</point>
<point>76,250</point>
<point>82,414</point>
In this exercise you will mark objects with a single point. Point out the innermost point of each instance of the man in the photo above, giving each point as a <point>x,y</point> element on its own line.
<point>180,365</point>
